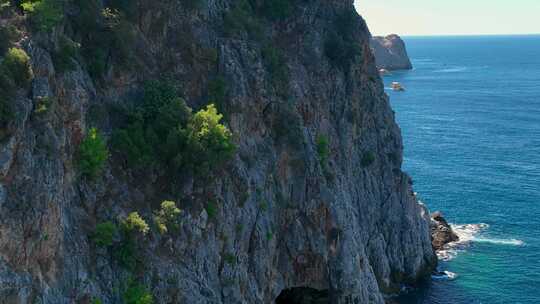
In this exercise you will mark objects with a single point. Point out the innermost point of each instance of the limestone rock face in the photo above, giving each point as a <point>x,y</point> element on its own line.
<point>283,219</point>
<point>390,53</point>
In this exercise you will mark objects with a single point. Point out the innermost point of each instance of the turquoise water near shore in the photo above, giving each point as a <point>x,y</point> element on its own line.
<point>470,119</point>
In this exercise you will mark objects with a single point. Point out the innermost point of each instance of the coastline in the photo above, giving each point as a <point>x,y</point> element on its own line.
<point>461,128</point>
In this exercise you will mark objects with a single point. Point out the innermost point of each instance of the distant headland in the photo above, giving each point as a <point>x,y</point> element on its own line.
<point>390,53</point>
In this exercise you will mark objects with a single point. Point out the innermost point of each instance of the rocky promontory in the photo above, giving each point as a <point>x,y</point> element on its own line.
<point>441,231</point>
<point>390,53</point>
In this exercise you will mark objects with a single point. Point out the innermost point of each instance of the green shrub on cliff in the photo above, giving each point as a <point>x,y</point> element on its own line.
<point>155,135</point>
<point>209,142</point>
<point>104,234</point>
<point>163,133</point>
<point>322,149</point>
<point>16,65</point>
<point>15,72</point>
<point>126,254</point>
<point>44,14</point>
<point>167,217</point>
<point>93,154</point>
<point>136,293</point>
<point>211,209</point>
<point>135,223</point>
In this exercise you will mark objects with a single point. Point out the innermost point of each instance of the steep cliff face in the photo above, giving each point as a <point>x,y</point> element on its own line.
<point>390,53</point>
<point>282,216</point>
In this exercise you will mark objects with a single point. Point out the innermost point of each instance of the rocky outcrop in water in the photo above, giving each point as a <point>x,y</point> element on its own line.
<point>441,231</point>
<point>390,53</point>
<point>314,196</point>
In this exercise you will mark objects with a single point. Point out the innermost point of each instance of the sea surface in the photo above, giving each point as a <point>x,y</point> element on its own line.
<point>470,118</point>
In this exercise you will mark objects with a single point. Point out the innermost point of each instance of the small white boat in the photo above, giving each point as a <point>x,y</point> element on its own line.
<point>396,86</point>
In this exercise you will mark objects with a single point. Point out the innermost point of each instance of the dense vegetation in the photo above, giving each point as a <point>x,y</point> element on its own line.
<point>161,132</point>
<point>93,154</point>
<point>44,14</point>
<point>16,66</point>
<point>136,293</point>
<point>104,234</point>
<point>15,72</point>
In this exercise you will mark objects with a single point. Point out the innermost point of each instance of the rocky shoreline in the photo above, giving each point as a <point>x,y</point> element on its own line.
<point>441,231</point>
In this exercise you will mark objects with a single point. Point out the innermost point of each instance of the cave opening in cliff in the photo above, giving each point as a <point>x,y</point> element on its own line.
<point>303,295</point>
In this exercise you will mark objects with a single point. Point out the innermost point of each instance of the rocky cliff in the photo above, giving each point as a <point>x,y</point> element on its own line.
<point>390,53</point>
<point>312,197</point>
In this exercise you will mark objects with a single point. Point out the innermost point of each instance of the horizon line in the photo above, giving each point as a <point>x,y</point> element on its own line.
<point>457,35</point>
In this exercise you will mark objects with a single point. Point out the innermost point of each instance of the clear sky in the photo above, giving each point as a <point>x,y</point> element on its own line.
<point>450,17</point>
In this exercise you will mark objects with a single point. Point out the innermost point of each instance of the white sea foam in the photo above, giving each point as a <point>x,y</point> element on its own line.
<point>513,242</point>
<point>422,60</point>
<point>469,233</point>
<point>452,70</point>
<point>444,276</point>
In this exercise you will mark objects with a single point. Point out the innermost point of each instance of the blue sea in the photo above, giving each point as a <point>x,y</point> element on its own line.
<point>470,118</point>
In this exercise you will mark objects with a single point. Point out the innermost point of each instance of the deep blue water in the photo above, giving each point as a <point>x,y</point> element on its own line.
<point>470,119</point>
